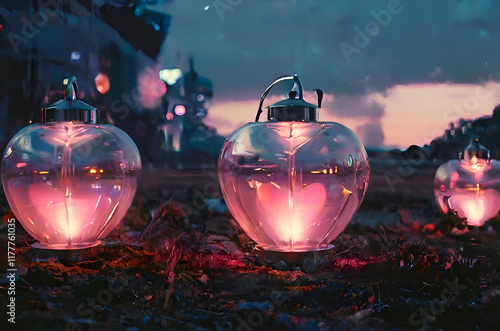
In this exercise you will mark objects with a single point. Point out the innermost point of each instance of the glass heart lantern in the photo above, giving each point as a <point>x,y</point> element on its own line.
<point>69,180</point>
<point>469,187</point>
<point>293,183</point>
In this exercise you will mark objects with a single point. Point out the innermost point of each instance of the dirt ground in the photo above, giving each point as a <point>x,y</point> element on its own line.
<point>179,261</point>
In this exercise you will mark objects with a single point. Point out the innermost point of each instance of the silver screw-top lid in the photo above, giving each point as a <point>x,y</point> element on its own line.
<point>475,149</point>
<point>294,108</point>
<point>70,109</point>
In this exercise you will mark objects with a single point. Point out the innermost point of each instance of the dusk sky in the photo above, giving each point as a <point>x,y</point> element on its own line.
<point>395,72</point>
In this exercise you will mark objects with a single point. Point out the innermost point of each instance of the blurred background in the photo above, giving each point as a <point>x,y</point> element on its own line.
<point>180,76</point>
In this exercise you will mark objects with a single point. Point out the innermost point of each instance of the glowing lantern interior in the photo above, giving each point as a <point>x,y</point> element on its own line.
<point>306,204</point>
<point>470,189</point>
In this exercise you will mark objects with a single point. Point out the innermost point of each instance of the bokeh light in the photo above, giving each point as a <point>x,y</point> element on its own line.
<point>102,83</point>
<point>179,110</point>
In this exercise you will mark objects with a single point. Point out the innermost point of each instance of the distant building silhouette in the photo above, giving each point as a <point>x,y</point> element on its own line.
<point>457,137</point>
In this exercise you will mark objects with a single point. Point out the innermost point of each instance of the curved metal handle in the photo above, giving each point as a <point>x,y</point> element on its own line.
<point>297,85</point>
<point>71,88</point>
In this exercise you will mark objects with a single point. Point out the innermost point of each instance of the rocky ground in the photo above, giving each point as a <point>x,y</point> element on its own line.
<point>179,261</point>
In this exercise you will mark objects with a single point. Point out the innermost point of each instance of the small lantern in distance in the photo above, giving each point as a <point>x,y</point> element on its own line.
<point>293,183</point>
<point>69,180</point>
<point>469,187</point>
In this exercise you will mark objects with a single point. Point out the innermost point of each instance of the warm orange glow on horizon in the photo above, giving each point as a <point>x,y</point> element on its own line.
<point>415,114</point>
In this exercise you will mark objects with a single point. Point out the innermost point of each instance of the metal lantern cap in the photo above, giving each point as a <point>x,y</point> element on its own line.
<point>70,109</point>
<point>475,149</point>
<point>294,108</point>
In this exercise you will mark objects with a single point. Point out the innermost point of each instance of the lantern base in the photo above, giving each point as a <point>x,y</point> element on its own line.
<point>306,260</point>
<point>67,253</point>
<point>285,249</point>
<point>62,247</point>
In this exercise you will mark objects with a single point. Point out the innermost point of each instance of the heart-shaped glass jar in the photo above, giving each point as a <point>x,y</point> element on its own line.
<point>293,183</point>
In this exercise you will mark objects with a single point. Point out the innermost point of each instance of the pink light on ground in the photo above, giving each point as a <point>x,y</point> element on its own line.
<point>179,110</point>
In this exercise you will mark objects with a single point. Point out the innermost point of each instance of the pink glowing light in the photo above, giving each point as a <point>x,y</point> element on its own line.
<point>76,216</point>
<point>476,205</point>
<point>179,110</point>
<point>102,83</point>
<point>291,214</point>
<point>73,217</point>
<point>151,88</point>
